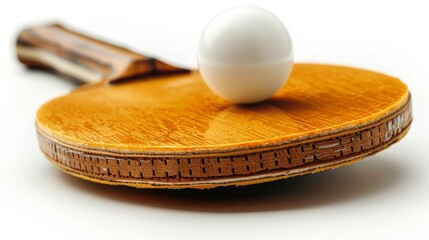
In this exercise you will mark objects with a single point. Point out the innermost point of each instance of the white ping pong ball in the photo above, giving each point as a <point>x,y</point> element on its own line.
<point>245,54</point>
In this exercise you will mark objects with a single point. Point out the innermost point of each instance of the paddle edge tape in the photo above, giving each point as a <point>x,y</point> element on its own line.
<point>293,159</point>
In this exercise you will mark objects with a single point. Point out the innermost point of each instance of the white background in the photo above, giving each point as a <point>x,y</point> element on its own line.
<point>383,197</point>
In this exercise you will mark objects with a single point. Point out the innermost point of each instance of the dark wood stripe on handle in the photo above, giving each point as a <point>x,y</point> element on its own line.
<point>82,57</point>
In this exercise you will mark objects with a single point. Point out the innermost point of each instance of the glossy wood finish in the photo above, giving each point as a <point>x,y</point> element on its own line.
<point>199,171</point>
<point>170,131</point>
<point>178,114</point>
<point>82,57</point>
<point>173,132</point>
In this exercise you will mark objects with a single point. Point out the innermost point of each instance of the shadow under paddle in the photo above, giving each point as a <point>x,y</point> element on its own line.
<point>329,187</point>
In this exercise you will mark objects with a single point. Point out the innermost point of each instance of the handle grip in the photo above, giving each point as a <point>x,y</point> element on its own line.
<point>82,57</point>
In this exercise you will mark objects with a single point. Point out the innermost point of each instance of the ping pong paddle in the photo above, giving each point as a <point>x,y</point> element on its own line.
<point>144,123</point>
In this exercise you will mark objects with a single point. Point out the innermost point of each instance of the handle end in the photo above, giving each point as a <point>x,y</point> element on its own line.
<point>82,57</point>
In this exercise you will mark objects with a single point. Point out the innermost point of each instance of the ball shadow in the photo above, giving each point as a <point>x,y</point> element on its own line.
<point>283,103</point>
<point>330,187</point>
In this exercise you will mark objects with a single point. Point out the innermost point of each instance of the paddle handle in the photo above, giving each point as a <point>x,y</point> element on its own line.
<point>82,57</point>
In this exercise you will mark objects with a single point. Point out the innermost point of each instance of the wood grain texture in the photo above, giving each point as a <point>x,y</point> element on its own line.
<point>199,172</point>
<point>178,115</point>
<point>171,131</point>
<point>82,57</point>
<point>154,130</point>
